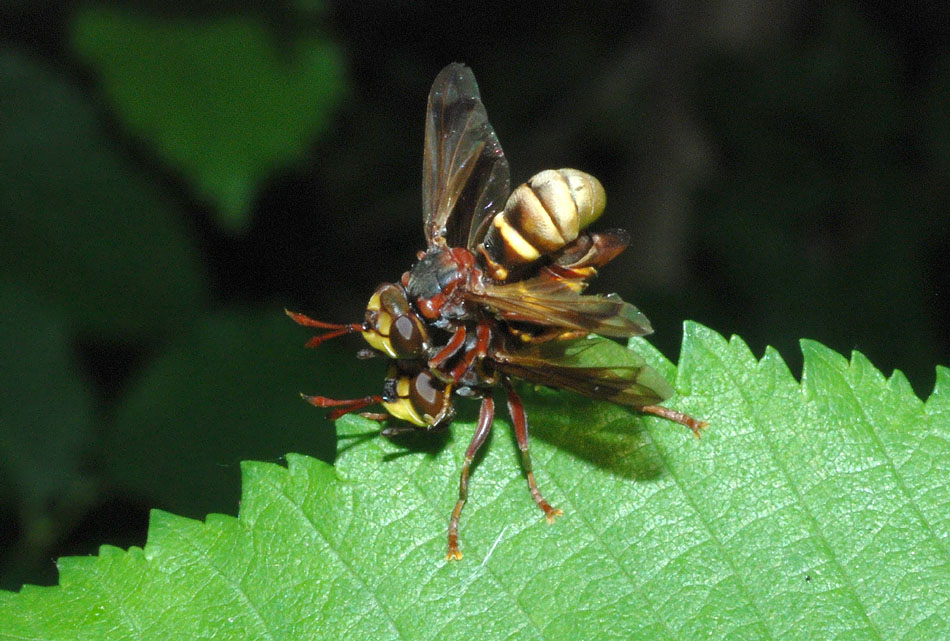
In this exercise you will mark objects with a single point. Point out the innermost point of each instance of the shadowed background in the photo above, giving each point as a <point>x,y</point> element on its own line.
<point>171,180</point>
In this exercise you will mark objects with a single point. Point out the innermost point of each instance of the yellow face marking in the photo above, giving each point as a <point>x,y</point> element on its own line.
<point>402,408</point>
<point>378,337</point>
<point>373,304</point>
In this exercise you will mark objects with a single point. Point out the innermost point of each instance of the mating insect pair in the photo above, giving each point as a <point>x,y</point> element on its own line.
<point>497,294</point>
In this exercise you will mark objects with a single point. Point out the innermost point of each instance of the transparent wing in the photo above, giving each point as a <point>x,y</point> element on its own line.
<point>465,177</point>
<point>552,302</point>
<point>593,367</point>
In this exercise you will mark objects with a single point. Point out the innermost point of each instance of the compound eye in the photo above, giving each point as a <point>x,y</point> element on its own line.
<point>392,299</point>
<point>426,394</point>
<point>406,337</point>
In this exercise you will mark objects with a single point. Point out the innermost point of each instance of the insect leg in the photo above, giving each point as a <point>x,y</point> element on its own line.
<point>338,329</point>
<point>398,430</point>
<point>677,417</point>
<point>454,345</point>
<point>485,417</point>
<point>483,336</point>
<point>379,417</point>
<point>344,406</point>
<point>520,420</point>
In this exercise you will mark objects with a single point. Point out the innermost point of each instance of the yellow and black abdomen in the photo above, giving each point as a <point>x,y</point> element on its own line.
<point>542,216</point>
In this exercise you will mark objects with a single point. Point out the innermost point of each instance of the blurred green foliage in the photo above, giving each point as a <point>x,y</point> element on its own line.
<point>82,226</point>
<point>232,373</point>
<point>171,178</point>
<point>46,417</point>
<point>120,383</point>
<point>817,213</point>
<point>218,99</point>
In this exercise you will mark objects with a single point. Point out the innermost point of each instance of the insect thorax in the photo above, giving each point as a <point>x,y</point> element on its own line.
<point>437,283</point>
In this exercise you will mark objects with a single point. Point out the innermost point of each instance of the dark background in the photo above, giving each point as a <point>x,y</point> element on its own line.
<point>170,180</point>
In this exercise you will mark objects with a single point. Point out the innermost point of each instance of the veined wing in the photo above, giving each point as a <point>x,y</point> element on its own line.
<point>551,302</point>
<point>465,176</point>
<point>593,367</point>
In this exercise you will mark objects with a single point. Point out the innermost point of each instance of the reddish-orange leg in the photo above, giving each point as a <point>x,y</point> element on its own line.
<point>520,420</point>
<point>483,337</point>
<point>337,328</point>
<point>677,417</point>
<point>454,345</point>
<point>485,417</point>
<point>345,406</point>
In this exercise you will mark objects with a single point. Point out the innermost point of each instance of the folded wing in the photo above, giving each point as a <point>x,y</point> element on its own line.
<point>593,367</point>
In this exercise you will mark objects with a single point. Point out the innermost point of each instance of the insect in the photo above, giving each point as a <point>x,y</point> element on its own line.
<point>497,295</point>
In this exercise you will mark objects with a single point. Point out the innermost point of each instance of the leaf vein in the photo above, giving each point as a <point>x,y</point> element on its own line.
<point>235,586</point>
<point>823,540</point>
<point>313,527</point>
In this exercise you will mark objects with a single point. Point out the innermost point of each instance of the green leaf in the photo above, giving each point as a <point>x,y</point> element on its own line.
<point>79,227</point>
<point>219,99</point>
<point>808,511</point>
